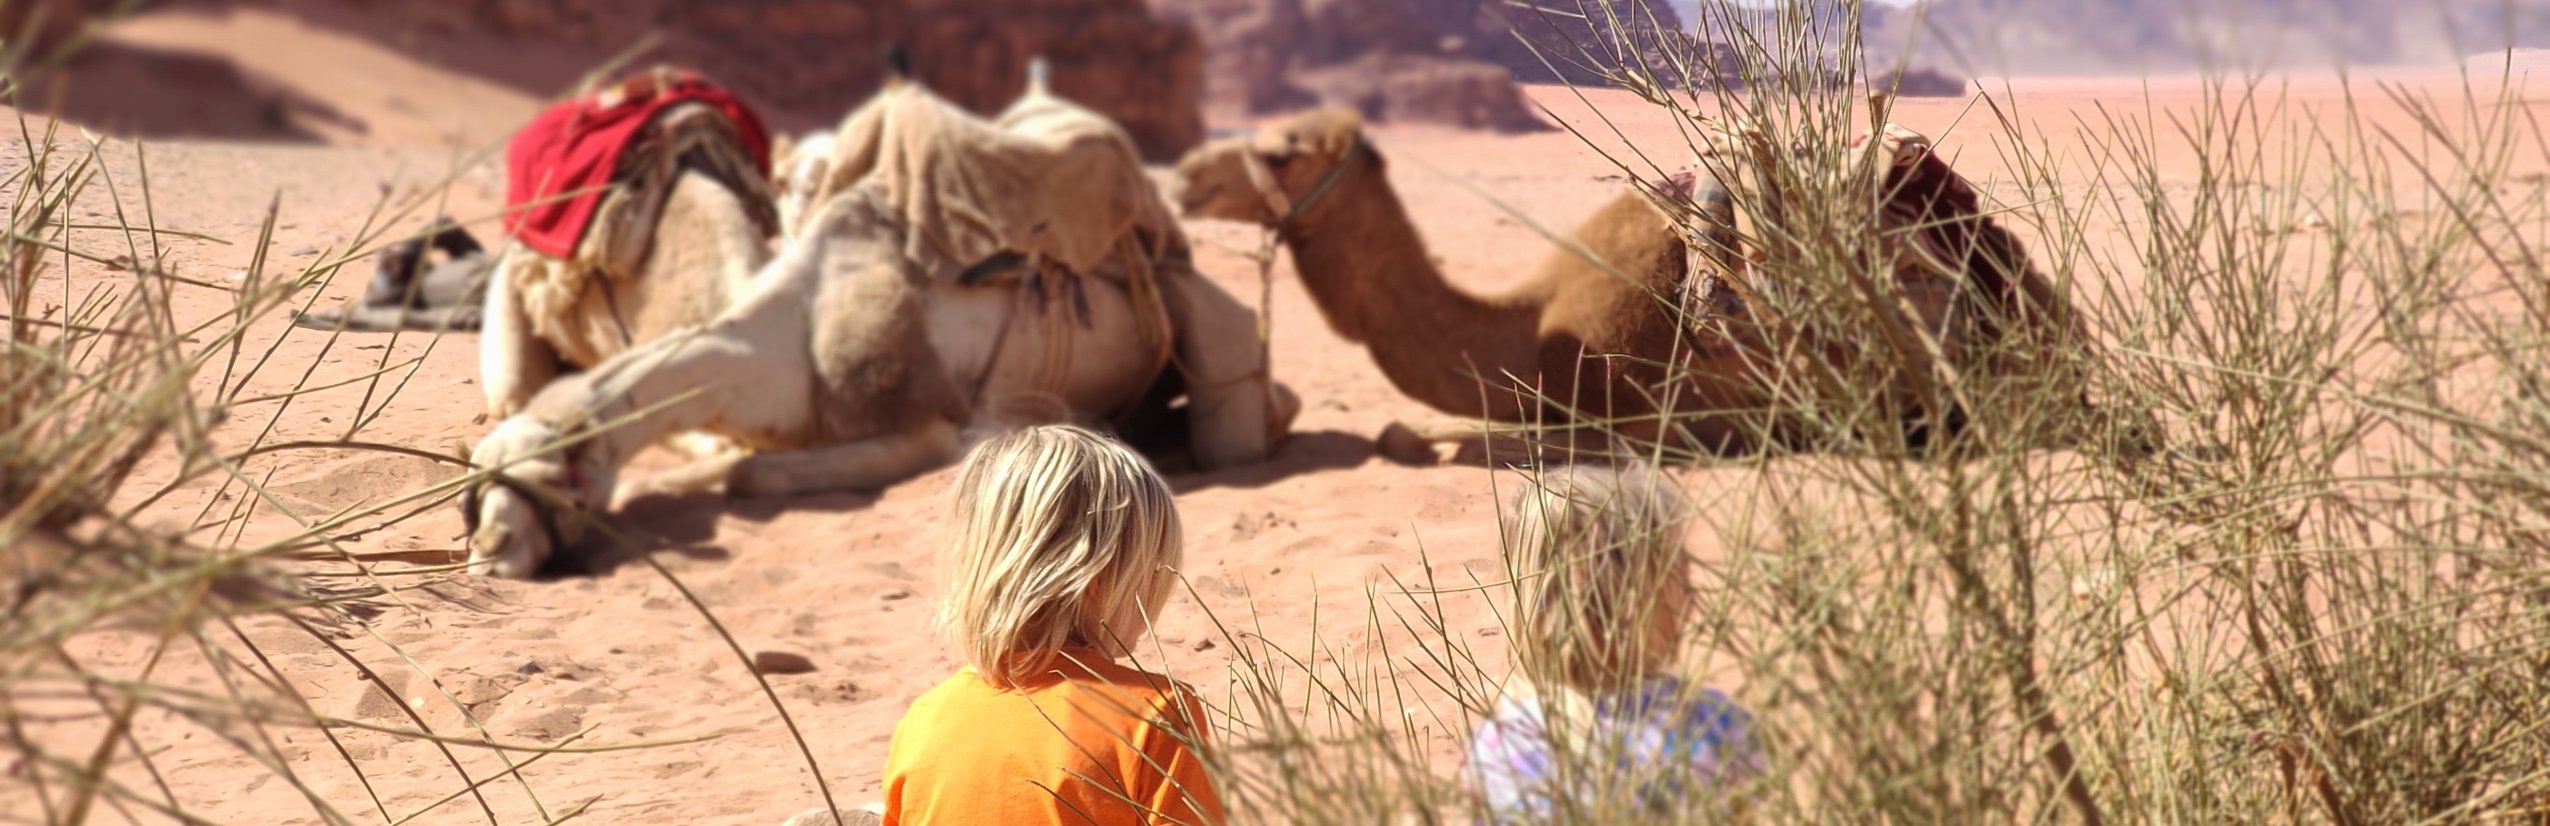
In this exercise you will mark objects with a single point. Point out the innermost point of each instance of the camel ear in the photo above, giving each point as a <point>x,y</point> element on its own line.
<point>1276,145</point>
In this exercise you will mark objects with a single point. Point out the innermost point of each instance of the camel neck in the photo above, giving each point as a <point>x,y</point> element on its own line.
<point>1368,270</point>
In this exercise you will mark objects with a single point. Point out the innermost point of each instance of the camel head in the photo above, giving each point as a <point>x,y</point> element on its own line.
<point>1263,178</point>
<point>798,168</point>
<point>514,517</point>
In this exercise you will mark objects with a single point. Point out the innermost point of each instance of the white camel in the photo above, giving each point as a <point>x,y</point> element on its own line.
<point>905,313</point>
<point>798,167</point>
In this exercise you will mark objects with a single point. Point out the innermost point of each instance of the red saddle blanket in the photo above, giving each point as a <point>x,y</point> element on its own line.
<point>574,148</point>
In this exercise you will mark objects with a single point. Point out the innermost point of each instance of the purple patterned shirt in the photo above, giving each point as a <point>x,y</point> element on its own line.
<point>1662,748</point>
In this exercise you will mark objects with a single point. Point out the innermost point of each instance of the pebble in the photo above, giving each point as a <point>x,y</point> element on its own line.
<point>781,662</point>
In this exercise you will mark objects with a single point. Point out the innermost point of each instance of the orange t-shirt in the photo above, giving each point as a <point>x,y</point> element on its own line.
<point>1091,742</point>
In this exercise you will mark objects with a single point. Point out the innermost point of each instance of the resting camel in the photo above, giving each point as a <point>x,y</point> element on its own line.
<point>687,222</point>
<point>1666,298</point>
<point>906,313</point>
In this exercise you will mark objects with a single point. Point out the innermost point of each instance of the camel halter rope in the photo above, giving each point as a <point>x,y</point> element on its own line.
<point>1282,205</point>
<point>1285,210</point>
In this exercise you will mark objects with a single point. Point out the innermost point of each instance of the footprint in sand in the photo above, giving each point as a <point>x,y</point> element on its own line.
<point>353,478</point>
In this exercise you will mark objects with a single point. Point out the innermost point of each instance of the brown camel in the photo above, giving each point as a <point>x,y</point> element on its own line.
<point>1594,334</point>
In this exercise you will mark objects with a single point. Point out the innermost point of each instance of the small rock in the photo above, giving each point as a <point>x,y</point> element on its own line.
<point>298,251</point>
<point>1400,443</point>
<point>1205,644</point>
<point>528,668</point>
<point>781,662</point>
<point>898,593</point>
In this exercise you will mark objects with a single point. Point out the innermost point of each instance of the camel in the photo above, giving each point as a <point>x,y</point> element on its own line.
<point>799,165</point>
<point>905,315</point>
<point>1589,338</point>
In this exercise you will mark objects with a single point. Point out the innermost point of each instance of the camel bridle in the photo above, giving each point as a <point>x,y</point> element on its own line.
<point>1281,204</point>
<point>550,502</point>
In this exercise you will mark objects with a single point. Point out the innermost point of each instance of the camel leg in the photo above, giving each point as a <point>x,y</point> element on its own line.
<point>729,385</point>
<point>732,386</point>
<point>1235,413</point>
<point>700,475</point>
<point>1415,443</point>
<point>513,363</point>
<point>864,465</point>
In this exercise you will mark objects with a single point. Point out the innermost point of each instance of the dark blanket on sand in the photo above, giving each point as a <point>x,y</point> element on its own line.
<point>409,293</point>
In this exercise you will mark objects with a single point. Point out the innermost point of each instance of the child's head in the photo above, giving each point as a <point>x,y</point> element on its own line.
<point>1058,537</point>
<point>1600,577</point>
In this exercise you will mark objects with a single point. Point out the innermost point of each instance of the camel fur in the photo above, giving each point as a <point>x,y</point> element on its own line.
<point>1654,322</point>
<point>798,167</point>
<point>862,355</point>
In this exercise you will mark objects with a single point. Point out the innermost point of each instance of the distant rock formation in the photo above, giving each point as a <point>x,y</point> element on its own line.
<point>1922,83</point>
<point>1452,62</point>
<point>1584,42</point>
<point>1409,88</point>
<point>825,56</point>
<point>44,24</point>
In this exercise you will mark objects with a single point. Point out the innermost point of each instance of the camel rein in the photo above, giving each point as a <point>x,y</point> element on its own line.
<point>1286,211</point>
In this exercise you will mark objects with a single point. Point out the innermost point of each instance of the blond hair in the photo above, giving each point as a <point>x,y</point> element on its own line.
<point>1599,576</point>
<point>1057,537</point>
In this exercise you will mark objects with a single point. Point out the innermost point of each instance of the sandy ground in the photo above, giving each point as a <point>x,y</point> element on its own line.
<point>1294,548</point>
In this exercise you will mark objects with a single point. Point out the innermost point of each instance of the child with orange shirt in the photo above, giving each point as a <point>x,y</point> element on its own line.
<point>1062,548</point>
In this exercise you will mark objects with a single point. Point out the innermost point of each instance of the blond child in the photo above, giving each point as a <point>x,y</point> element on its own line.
<point>1599,729</point>
<point>1060,551</point>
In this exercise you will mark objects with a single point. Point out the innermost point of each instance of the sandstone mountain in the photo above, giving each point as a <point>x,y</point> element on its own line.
<point>1436,61</point>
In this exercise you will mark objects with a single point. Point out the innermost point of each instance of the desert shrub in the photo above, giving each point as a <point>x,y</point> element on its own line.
<point>2270,553</point>
<point>103,372</point>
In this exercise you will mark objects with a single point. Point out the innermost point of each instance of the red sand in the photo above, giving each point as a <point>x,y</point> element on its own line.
<point>844,580</point>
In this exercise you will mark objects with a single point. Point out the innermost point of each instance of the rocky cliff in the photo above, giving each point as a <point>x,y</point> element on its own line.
<point>824,56</point>
<point>1437,61</point>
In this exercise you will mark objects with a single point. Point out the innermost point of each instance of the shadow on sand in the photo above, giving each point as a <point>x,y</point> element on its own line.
<point>685,524</point>
<point>144,92</point>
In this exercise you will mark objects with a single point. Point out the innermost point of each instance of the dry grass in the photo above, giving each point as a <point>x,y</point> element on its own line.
<point>2319,600</point>
<point>104,375</point>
